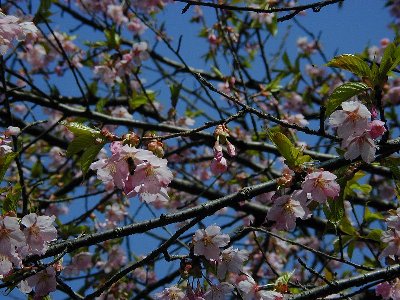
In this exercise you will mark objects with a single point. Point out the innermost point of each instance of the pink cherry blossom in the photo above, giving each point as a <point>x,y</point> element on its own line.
<point>251,291</point>
<point>38,232</point>
<point>321,184</point>
<point>44,282</point>
<point>12,29</point>
<point>219,292</point>
<point>219,164</point>
<point>116,13</point>
<point>80,262</point>
<point>207,242</point>
<point>377,129</point>
<point>352,119</point>
<point>392,238</point>
<point>11,236</point>
<point>384,290</point>
<point>284,212</point>
<point>231,260</point>
<point>149,176</point>
<point>171,293</point>
<point>360,144</point>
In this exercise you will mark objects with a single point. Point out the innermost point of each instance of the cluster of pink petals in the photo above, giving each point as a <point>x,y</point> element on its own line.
<point>219,164</point>
<point>321,185</point>
<point>135,171</point>
<point>43,283</point>
<point>356,130</point>
<point>16,244</point>
<point>5,140</point>
<point>286,209</point>
<point>389,290</point>
<point>392,236</point>
<point>207,242</point>
<point>81,261</point>
<point>172,292</point>
<point>251,291</point>
<point>11,28</point>
<point>231,260</point>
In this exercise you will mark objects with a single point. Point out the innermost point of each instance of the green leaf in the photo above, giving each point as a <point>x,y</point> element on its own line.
<point>351,63</point>
<point>334,210</point>
<point>80,143</point>
<point>293,155</point>
<point>88,156</point>
<point>5,162</point>
<point>80,129</point>
<point>390,60</point>
<point>375,235</point>
<point>100,104</point>
<point>342,93</point>
<point>346,227</point>
<point>11,201</point>
<point>175,89</point>
<point>372,216</point>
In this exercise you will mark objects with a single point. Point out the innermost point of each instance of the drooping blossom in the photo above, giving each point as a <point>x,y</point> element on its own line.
<point>284,212</point>
<point>39,231</point>
<point>207,242</point>
<point>320,185</point>
<point>231,260</point>
<point>219,164</point>
<point>44,282</point>
<point>219,292</point>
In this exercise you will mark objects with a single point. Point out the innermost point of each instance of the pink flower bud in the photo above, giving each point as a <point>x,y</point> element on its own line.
<point>377,129</point>
<point>231,149</point>
<point>219,166</point>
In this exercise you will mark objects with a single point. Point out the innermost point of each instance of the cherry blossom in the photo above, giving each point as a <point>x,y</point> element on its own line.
<point>219,292</point>
<point>171,293</point>
<point>231,260</point>
<point>284,212</point>
<point>43,282</point>
<point>218,164</point>
<point>251,291</point>
<point>353,119</point>
<point>320,185</point>
<point>207,242</point>
<point>12,29</point>
<point>360,144</point>
<point>392,238</point>
<point>38,232</point>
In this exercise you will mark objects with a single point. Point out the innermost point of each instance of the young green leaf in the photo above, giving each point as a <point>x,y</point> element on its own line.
<point>343,93</point>
<point>390,60</point>
<point>351,63</point>
<point>88,156</point>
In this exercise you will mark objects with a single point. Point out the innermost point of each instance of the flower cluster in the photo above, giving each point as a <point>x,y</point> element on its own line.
<point>317,186</point>
<point>20,238</point>
<point>392,236</point>
<point>219,164</point>
<point>389,290</point>
<point>5,139</point>
<point>11,28</point>
<point>356,130</point>
<point>135,171</point>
